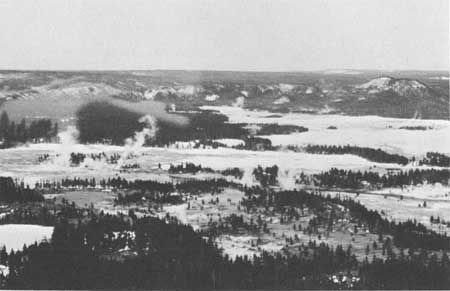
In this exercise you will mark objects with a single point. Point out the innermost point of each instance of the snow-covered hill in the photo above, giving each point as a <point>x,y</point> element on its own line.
<point>403,87</point>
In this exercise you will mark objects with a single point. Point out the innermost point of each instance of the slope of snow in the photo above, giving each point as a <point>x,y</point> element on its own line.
<point>212,97</point>
<point>282,100</point>
<point>378,83</point>
<point>285,88</point>
<point>427,191</point>
<point>400,86</point>
<point>440,78</point>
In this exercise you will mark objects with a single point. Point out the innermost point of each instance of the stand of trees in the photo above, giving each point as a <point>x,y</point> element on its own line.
<point>374,155</point>
<point>163,254</point>
<point>435,159</point>
<point>36,131</point>
<point>191,168</point>
<point>11,191</point>
<point>357,179</point>
<point>275,128</point>
<point>204,126</point>
<point>266,176</point>
<point>409,234</point>
<point>145,188</point>
<point>78,158</point>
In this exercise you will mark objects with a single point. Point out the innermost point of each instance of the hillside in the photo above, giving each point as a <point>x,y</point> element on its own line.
<point>401,94</point>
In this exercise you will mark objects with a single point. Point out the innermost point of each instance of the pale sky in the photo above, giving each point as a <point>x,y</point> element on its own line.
<point>250,35</point>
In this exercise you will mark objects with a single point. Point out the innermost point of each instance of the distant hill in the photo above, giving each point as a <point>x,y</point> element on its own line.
<point>393,94</point>
<point>401,97</point>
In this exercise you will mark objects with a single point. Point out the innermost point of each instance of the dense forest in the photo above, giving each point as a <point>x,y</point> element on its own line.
<point>11,191</point>
<point>275,128</point>
<point>374,155</point>
<point>92,250</point>
<point>40,130</point>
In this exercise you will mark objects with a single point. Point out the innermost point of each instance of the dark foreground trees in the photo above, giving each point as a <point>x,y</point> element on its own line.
<point>167,255</point>
<point>11,191</point>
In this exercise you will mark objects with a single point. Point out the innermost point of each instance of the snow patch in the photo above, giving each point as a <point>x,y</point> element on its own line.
<point>212,97</point>
<point>285,88</point>
<point>15,236</point>
<point>282,100</point>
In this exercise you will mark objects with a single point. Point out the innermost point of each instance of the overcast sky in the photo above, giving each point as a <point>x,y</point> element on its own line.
<point>224,35</point>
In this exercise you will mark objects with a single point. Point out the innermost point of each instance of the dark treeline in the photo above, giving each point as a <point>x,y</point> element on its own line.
<point>191,186</point>
<point>374,155</point>
<point>11,191</point>
<point>275,128</point>
<point>435,159</point>
<point>163,254</point>
<point>188,168</point>
<point>357,179</point>
<point>408,234</point>
<point>41,130</point>
<point>419,127</point>
<point>152,191</point>
<point>138,190</point>
<point>203,126</point>
<point>191,168</point>
<point>153,196</point>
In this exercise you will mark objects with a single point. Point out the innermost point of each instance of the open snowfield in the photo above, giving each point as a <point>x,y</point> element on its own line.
<point>429,192</point>
<point>15,236</point>
<point>402,210</point>
<point>22,162</point>
<point>364,131</point>
<point>201,209</point>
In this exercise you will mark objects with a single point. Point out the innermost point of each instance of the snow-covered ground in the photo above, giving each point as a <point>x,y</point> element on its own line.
<point>427,191</point>
<point>365,131</point>
<point>201,210</point>
<point>21,162</point>
<point>230,142</point>
<point>15,236</point>
<point>404,209</point>
<point>241,245</point>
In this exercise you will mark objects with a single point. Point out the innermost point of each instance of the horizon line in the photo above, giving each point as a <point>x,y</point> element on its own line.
<point>227,70</point>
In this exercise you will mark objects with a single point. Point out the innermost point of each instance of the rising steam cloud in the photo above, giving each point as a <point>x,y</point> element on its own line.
<point>147,133</point>
<point>136,143</point>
